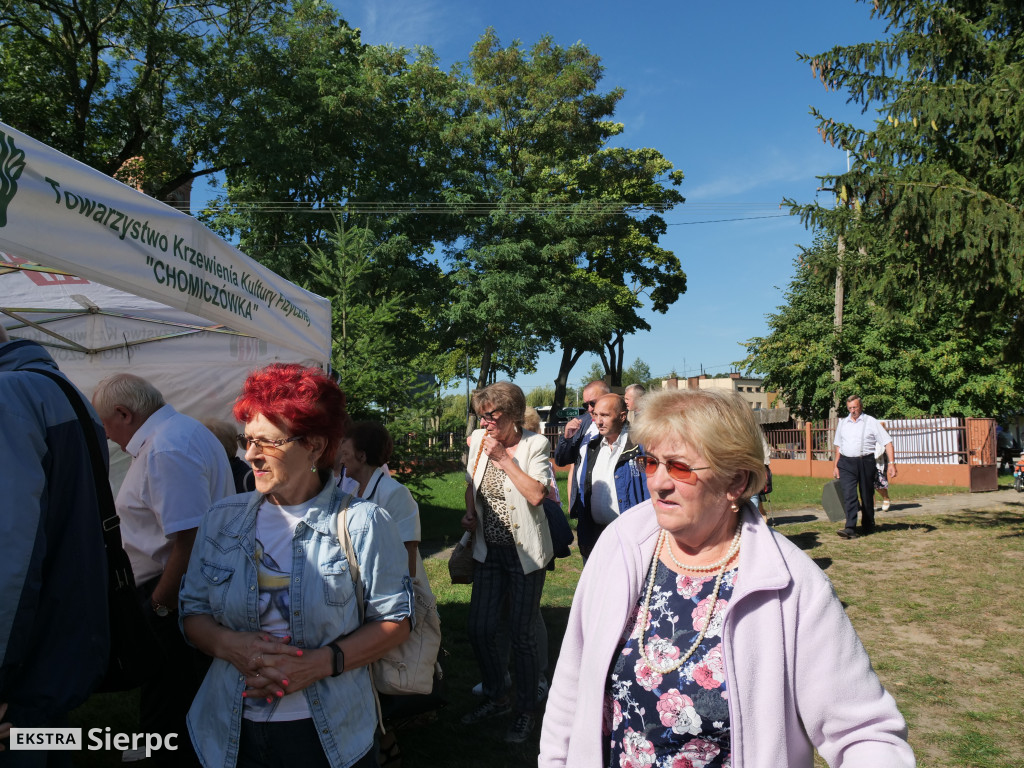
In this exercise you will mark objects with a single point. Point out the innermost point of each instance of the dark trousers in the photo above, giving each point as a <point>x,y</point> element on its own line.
<point>178,671</point>
<point>858,473</point>
<point>287,744</point>
<point>499,578</point>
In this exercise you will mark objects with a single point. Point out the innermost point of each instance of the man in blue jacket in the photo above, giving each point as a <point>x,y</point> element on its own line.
<point>54,636</point>
<point>569,449</point>
<point>611,481</point>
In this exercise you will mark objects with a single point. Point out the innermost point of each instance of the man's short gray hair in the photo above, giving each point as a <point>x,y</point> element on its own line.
<point>636,389</point>
<point>129,391</point>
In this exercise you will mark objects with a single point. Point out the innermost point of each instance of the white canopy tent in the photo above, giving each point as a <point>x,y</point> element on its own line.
<point>109,280</point>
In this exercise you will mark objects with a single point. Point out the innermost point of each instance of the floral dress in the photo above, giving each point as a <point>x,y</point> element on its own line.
<point>680,719</point>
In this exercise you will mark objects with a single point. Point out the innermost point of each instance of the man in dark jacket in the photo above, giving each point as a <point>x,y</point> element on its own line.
<point>576,434</point>
<point>54,637</point>
<point>612,482</point>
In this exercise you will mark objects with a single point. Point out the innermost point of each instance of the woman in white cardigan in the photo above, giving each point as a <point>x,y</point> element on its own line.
<point>507,482</point>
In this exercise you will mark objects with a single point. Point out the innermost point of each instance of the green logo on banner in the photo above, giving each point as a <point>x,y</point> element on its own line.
<point>12,163</point>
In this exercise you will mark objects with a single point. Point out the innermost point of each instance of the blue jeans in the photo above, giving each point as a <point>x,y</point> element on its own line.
<point>287,744</point>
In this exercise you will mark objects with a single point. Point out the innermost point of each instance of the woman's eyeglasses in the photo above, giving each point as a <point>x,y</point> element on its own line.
<point>677,470</point>
<point>261,444</point>
<point>491,416</point>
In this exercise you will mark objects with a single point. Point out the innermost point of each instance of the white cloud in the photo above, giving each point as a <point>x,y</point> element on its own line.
<point>404,24</point>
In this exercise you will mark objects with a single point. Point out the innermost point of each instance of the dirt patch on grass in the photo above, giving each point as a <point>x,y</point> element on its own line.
<point>936,601</point>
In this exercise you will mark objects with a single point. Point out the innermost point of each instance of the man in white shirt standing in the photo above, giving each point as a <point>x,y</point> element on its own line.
<point>611,482</point>
<point>178,470</point>
<point>854,467</point>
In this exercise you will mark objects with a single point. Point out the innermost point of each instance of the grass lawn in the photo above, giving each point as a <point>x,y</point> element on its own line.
<point>936,601</point>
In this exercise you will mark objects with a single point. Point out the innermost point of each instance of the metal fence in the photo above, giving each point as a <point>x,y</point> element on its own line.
<point>915,441</point>
<point>449,447</point>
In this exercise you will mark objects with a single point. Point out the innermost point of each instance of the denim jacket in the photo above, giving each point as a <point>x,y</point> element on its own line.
<point>221,582</point>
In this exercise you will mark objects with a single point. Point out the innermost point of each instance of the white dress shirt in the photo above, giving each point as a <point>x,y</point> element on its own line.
<point>859,438</point>
<point>604,501</point>
<point>178,470</point>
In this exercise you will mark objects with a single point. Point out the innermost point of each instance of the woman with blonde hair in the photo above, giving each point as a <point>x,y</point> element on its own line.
<point>724,643</point>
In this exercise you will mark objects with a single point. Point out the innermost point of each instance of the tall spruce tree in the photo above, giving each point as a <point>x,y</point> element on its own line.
<point>940,175</point>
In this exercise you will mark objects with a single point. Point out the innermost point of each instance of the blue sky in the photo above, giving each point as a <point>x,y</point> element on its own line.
<point>717,88</point>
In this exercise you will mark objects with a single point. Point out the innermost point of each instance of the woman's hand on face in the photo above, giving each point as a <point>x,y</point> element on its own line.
<point>495,451</point>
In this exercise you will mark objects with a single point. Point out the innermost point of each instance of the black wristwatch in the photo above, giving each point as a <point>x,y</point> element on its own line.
<point>338,661</point>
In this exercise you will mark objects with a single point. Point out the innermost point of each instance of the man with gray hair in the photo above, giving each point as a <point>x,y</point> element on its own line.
<point>178,470</point>
<point>633,394</point>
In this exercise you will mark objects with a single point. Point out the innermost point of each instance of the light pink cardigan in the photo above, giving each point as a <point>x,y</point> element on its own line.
<point>797,675</point>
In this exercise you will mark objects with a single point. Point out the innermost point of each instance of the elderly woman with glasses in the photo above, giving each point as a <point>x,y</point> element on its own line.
<point>700,636</point>
<point>508,475</point>
<point>269,592</point>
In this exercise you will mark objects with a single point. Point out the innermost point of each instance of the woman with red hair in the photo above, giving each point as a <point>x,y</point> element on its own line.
<point>269,592</point>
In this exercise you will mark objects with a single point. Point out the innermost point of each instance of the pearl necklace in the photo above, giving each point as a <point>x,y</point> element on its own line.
<point>644,618</point>
<point>714,566</point>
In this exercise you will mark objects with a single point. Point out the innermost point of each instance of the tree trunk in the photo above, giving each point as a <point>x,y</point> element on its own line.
<point>613,365</point>
<point>569,358</point>
<point>481,382</point>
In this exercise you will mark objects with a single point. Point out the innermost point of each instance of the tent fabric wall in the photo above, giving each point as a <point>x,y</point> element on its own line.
<point>60,213</point>
<point>92,331</point>
<point>110,280</point>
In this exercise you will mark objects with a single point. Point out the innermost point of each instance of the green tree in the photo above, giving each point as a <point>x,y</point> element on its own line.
<point>569,243</point>
<point>903,359</point>
<point>941,172</point>
<point>595,373</point>
<point>128,87</point>
<point>637,373</point>
<point>376,350</point>
<point>539,396</point>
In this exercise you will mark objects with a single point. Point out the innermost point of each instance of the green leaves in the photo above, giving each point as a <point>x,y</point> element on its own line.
<point>942,170</point>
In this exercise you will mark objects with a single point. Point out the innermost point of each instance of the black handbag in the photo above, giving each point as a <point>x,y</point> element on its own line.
<point>131,639</point>
<point>561,531</point>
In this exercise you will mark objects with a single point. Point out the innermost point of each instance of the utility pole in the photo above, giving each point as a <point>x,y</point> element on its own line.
<point>837,320</point>
<point>837,325</point>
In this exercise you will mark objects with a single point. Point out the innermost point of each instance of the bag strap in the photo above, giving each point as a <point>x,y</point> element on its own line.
<point>118,564</point>
<point>109,520</point>
<point>345,538</point>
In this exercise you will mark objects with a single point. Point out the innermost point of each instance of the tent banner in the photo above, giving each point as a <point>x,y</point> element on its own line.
<point>66,215</point>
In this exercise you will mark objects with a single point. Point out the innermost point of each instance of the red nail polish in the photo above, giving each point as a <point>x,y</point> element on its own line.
<point>280,694</point>
<point>269,699</point>
<point>284,683</point>
<point>244,695</point>
<point>299,653</point>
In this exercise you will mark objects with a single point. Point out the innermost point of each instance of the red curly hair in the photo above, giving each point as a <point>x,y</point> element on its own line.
<point>299,400</point>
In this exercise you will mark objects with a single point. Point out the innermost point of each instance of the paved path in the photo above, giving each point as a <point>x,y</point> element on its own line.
<point>1003,500</point>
